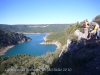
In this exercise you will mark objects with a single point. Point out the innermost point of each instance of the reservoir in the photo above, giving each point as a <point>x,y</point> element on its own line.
<point>33,47</point>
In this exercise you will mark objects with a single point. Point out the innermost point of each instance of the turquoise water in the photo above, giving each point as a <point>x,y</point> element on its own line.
<point>32,47</point>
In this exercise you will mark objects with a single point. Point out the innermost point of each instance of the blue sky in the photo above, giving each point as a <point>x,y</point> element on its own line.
<point>47,11</point>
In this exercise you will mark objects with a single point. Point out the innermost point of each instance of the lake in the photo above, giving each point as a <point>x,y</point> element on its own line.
<point>32,47</point>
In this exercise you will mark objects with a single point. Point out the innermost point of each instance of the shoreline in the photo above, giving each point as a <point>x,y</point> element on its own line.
<point>53,42</point>
<point>32,33</point>
<point>5,49</point>
<point>45,38</point>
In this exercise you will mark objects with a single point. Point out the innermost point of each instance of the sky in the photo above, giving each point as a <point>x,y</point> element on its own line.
<point>47,11</point>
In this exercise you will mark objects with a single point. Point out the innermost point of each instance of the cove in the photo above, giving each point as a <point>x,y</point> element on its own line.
<point>33,47</point>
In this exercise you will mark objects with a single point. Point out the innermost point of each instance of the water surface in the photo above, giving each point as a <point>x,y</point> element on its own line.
<point>32,47</point>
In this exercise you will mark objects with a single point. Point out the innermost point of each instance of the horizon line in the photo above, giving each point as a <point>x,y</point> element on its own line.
<point>36,24</point>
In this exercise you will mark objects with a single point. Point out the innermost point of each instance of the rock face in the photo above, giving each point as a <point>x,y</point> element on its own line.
<point>79,34</point>
<point>68,42</point>
<point>11,38</point>
<point>86,53</point>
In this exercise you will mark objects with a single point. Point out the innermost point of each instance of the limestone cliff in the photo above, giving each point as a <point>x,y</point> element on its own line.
<point>80,58</point>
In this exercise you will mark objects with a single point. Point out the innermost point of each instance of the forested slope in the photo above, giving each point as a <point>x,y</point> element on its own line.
<point>62,36</point>
<point>43,28</point>
<point>11,38</point>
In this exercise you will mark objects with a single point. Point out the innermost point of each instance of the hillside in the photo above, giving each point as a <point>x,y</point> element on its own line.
<point>11,38</point>
<point>42,28</point>
<point>8,38</point>
<point>62,36</point>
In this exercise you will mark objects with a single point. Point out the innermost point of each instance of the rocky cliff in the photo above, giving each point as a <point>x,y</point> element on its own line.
<point>11,38</point>
<point>80,58</point>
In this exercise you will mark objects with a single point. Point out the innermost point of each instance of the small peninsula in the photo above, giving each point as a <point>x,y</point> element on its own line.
<point>58,44</point>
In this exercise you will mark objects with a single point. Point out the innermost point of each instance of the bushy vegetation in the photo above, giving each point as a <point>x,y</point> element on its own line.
<point>97,19</point>
<point>39,29</point>
<point>63,35</point>
<point>71,29</point>
<point>26,62</point>
<point>11,38</point>
<point>57,36</point>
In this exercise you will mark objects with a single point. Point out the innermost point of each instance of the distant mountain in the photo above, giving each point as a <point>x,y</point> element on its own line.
<point>11,38</point>
<point>41,28</point>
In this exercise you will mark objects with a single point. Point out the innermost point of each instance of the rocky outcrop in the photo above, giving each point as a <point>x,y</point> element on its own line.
<point>79,34</point>
<point>85,54</point>
<point>88,54</point>
<point>9,39</point>
<point>68,42</point>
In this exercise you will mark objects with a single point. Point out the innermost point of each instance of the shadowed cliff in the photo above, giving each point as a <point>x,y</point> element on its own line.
<point>81,58</point>
<point>11,38</point>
